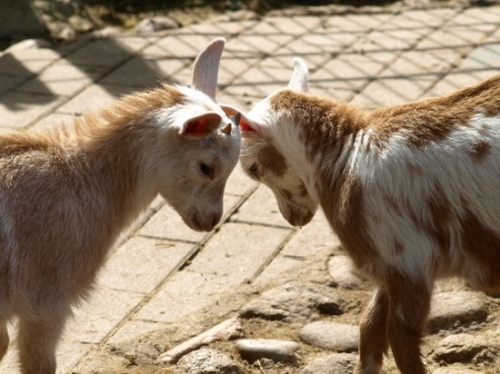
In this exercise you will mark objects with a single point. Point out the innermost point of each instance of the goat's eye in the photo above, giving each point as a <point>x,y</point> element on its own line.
<point>207,170</point>
<point>253,170</point>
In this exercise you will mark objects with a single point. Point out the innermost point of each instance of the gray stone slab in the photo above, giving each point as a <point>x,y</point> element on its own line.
<point>95,318</point>
<point>261,207</point>
<point>392,91</point>
<point>9,82</point>
<point>141,264</point>
<point>27,62</point>
<point>226,261</point>
<point>146,71</point>
<point>104,53</point>
<point>94,97</point>
<point>19,110</point>
<point>62,79</point>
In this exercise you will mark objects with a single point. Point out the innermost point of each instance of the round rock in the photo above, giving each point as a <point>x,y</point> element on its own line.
<point>341,363</point>
<point>459,348</point>
<point>207,361</point>
<point>331,336</point>
<point>295,301</point>
<point>450,309</point>
<point>276,350</point>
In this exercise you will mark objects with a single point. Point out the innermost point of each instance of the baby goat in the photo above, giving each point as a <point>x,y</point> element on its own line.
<point>66,193</point>
<point>412,191</point>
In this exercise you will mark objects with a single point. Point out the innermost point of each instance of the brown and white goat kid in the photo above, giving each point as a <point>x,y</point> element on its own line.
<point>412,191</point>
<point>66,193</point>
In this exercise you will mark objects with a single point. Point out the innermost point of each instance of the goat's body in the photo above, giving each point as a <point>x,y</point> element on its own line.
<point>66,193</point>
<point>64,199</point>
<point>412,191</point>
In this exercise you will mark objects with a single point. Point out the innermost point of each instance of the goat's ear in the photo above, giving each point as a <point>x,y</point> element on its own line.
<point>200,126</point>
<point>299,80</point>
<point>206,68</point>
<point>248,127</point>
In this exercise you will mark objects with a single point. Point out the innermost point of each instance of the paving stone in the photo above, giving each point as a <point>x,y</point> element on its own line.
<point>32,106</point>
<point>294,301</point>
<point>94,97</point>
<point>331,336</point>
<point>483,57</point>
<point>141,264</point>
<point>146,71</point>
<point>450,309</point>
<point>458,80</point>
<point>95,318</point>
<point>8,82</point>
<point>104,53</point>
<point>227,260</point>
<point>342,272</point>
<point>459,348</point>
<point>393,91</point>
<point>261,207</point>
<point>207,361</point>
<point>62,79</point>
<point>27,62</point>
<point>184,44</point>
<point>340,363</point>
<point>276,350</point>
<point>352,66</point>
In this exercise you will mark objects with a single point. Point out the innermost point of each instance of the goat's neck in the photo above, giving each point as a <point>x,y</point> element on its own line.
<point>115,157</point>
<point>319,136</point>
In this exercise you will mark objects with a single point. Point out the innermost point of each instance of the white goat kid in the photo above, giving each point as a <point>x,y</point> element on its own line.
<point>412,191</point>
<point>67,192</point>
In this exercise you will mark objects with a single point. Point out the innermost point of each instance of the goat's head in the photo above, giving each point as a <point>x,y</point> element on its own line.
<point>265,159</point>
<point>202,148</point>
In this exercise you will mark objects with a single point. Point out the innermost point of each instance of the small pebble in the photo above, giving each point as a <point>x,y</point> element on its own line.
<point>276,350</point>
<point>207,361</point>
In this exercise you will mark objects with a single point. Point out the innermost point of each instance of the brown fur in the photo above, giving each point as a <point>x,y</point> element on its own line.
<point>399,185</point>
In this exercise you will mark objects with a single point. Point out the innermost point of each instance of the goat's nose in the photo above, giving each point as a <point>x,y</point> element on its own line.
<point>215,219</point>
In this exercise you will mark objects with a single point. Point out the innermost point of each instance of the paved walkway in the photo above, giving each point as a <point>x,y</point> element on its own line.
<point>163,271</point>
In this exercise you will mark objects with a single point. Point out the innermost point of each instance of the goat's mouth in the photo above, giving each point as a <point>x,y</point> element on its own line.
<point>296,216</point>
<point>195,223</point>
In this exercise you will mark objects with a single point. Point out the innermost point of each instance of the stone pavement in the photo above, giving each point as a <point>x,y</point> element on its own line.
<point>162,271</point>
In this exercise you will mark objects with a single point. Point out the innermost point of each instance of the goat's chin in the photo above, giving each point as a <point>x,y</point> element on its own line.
<point>193,223</point>
<point>301,219</point>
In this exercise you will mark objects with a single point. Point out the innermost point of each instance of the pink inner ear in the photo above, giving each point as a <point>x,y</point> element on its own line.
<point>196,127</point>
<point>245,126</point>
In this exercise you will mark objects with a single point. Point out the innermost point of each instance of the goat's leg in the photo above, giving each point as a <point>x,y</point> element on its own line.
<point>373,343</point>
<point>4,338</point>
<point>409,307</point>
<point>38,339</point>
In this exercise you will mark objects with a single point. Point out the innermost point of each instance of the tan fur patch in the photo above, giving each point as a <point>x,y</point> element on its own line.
<point>344,206</point>
<point>433,119</point>
<point>271,159</point>
<point>325,123</point>
<point>441,214</point>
